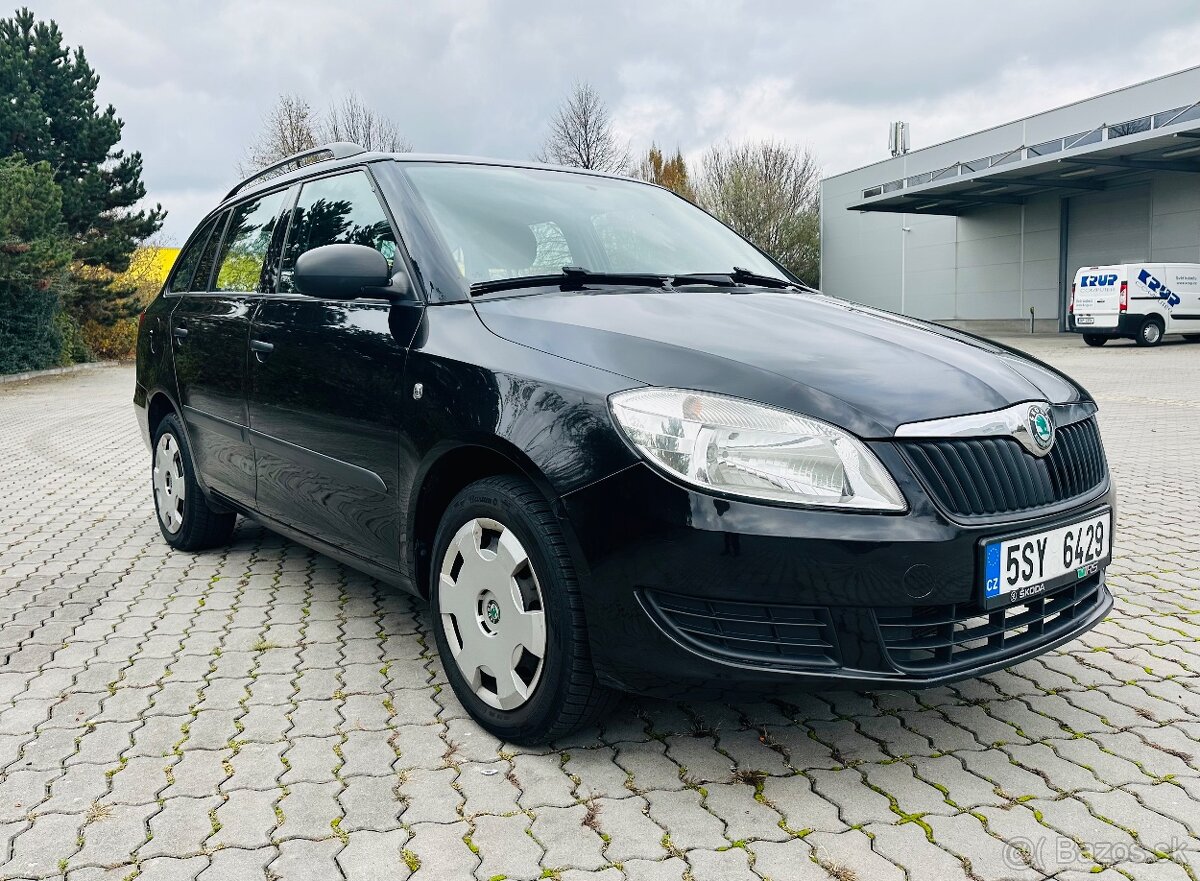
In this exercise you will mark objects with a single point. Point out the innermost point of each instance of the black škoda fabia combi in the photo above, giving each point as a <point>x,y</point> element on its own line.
<point>613,444</point>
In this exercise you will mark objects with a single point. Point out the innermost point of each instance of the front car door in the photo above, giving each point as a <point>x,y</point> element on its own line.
<point>326,381</point>
<point>210,328</point>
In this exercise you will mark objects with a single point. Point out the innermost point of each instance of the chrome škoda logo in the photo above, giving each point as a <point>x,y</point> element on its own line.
<point>1041,427</point>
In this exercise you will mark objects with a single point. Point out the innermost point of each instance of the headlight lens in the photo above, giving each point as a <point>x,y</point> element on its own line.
<point>736,447</point>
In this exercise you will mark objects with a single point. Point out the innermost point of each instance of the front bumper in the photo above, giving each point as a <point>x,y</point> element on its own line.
<point>692,596</point>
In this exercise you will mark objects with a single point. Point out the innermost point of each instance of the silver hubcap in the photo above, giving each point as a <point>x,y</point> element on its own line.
<point>491,605</point>
<point>169,486</point>
<point>1152,333</point>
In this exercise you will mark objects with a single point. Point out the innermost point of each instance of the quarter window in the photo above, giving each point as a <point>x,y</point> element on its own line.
<point>200,280</point>
<point>247,241</point>
<point>186,264</point>
<point>336,210</point>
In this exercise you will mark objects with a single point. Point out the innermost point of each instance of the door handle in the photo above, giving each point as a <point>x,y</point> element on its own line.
<point>180,332</point>
<point>261,346</point>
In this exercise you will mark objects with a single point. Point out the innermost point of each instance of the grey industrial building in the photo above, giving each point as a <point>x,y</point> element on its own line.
<point>985,227</point>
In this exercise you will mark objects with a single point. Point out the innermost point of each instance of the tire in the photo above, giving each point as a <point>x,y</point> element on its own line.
<point>500,557</point>
<point>184,518</point>
<point>1150,333</point>
<point>1093,339</point>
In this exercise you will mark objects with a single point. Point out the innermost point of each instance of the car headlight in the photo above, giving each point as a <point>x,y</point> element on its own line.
<point>740,448</point>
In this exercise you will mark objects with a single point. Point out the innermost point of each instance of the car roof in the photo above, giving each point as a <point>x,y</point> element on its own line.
<point>250,186</point>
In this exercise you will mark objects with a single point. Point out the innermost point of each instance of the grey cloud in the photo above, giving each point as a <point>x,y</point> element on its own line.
<point>191,80</point>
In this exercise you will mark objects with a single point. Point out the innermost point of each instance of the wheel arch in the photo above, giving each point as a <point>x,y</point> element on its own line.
<point>158,407</point>
<point>447,470</point>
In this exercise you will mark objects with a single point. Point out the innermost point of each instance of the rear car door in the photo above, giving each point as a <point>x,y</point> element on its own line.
<point>325,383</point>
<point>210,328</point>
<point>1184,281</point>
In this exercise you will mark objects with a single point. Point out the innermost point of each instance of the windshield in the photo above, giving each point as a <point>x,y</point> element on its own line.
<point>501,223</point>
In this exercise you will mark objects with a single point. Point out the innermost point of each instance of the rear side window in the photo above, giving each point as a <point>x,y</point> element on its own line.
<point>209,256</point>
<point>186,265</point>
<point>247,241</point>
<point>336,210</point>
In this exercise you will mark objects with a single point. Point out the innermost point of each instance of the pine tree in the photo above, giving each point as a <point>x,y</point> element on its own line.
<point>50,114</point>
<point>33,260</point>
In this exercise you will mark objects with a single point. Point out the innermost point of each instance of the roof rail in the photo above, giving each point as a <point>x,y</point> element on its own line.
<point>323,153</point>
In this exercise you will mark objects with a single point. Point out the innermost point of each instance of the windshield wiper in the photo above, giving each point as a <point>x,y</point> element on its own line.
<point>572,278</point>
<point>738,276</point>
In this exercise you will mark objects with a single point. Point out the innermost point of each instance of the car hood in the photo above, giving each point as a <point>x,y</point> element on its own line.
<point>861,368</point>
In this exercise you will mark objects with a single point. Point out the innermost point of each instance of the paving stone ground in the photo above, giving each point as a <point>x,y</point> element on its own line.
<point>261,712</point>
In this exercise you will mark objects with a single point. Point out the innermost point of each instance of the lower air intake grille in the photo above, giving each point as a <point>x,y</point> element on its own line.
<point>923,639</point>
<point>755,633</point>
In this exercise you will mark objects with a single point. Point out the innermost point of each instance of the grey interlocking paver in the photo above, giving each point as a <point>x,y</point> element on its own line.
<point>440,851</point>
<point>374,856</point>
<point>371,803</point>
<point>851,852</point>
<point>306,861</point>
<point>542,782</point>
<point>506,849</point>
<point>234,862</point>
<point>309,810</point>
<point>110,837</point>
<point>682,814</point>
<point>181,827</point>
<point>488,789</point>
<point>246,819</point>
<point>146,691</point>
<point>568,840</point>
<point>629,832</point>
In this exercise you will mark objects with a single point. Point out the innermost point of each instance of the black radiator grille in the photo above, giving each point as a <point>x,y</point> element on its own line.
<point>923,639</point>
<point>757,633</point>
<point>995,475</point>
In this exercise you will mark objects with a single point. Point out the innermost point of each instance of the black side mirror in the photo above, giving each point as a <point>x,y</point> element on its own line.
<point>346,272</point>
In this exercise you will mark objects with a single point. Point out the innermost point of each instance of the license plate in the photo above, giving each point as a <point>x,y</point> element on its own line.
<point>1085,319</point>
<point>1020,568</point>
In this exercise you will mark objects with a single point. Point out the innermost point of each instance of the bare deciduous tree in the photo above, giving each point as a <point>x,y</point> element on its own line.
<point>288,128</point>
<point>291,127</point>
<point>581,134</point>
<point>352,120</point>
<point>769,192</point>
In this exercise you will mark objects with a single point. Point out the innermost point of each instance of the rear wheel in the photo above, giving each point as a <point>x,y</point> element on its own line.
<point>1150,333</point>
<point>508,617</point>
<point>1093,339</point>
<point>184,517</point>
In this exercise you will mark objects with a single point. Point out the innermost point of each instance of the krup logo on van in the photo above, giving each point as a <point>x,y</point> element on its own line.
<point>1156,287</point>
<point>1098,281</point>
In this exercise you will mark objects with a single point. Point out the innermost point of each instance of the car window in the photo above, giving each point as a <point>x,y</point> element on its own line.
<point>499,222</point>
<point>247,240</point>
<point>200,279</point>
<point>187,261</point>
<point>336,210</point>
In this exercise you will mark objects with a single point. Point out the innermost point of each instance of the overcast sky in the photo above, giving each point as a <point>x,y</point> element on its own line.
<point>192,80</point>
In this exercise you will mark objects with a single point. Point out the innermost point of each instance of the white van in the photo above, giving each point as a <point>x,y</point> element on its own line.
<point>1139,301</point>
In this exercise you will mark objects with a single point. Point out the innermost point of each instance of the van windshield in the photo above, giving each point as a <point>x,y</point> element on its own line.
<point>504,223</point>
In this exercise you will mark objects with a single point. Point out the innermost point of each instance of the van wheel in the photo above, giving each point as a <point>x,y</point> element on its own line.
<point>1093,339</point>
<point>1150,333</point>
<point>508,617</point>
<point>184,517</point>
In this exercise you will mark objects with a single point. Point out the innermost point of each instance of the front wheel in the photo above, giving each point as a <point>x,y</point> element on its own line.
<point>184,517</point>
<point>1093,339</point>
<point>508,617</point>
<point>1150,333</point>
